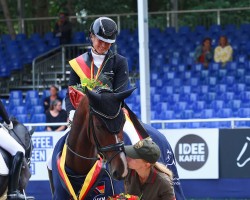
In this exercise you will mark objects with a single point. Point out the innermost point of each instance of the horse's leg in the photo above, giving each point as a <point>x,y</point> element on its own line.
<point>51,182</point>
<point>3,186</point>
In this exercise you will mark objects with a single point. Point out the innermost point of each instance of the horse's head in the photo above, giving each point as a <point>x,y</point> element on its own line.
<point>106,121</point>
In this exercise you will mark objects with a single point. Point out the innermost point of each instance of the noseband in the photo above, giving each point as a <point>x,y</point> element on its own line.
<point>117,147</point>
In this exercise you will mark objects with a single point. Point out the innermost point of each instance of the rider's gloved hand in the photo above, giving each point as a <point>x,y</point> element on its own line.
<point>71,115</point>
<point>9,126</point>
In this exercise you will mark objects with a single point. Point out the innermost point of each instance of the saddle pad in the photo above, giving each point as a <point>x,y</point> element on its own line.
<point>4,170</point>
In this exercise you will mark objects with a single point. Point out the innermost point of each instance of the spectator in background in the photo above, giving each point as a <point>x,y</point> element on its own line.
<point>63,29</point>
<point>53,96</point>
<point>204,53</point>
<point>223,52</point>
<point>56,115</point>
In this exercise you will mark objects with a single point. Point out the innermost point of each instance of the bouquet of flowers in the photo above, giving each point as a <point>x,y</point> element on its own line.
<point>123,196</point>
<point>76,92</point>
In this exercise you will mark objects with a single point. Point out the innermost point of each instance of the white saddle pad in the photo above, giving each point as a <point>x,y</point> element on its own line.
<point>4,170</point>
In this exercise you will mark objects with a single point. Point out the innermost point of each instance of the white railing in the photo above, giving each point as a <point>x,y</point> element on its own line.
<point>162,122</point>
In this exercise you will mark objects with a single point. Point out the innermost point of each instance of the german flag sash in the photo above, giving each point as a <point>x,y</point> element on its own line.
<point>82,66</point>
<point>89,181</point>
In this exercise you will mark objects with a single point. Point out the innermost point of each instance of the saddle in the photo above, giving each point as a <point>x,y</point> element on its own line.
<point>23,137</point>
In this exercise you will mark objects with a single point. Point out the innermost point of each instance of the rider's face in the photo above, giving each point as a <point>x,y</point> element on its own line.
<point>100,46</point>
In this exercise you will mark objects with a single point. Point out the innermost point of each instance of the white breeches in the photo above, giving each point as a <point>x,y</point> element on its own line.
<point>8,143</point>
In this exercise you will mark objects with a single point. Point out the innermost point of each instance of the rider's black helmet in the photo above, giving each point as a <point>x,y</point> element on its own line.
<point>105,29</point>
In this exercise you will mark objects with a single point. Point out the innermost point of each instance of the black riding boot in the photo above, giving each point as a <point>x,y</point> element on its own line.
<point>13,192</point>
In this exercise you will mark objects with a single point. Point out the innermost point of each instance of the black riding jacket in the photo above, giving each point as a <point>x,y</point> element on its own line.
<point>115,69</point>
<point>3,113</point>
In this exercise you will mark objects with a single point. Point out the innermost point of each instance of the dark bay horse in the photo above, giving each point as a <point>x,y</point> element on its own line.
<point>23,136</point>
<point>95,139</point>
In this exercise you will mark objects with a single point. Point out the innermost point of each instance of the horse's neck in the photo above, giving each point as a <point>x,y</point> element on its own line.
<point>80,142</point>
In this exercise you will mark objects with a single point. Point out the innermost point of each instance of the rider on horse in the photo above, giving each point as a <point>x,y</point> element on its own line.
<point>100,63</point>
<point>8,143</point>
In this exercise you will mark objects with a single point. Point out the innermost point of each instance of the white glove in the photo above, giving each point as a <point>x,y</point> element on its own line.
<point>9,126</point>
<point>71,115</point>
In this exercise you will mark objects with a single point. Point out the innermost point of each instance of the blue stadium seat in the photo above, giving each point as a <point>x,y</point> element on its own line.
<point>210,96</point>
<point>79,38</point>
<point>194,125</point>
<point>235,105</point>
<point>38,118</point>
<point>62,93</point>
<point>230,80</point>
<point>207,113</point>
<point>230,28</point>
<point>221,88</point>
<point>183,30</point>
<point>200,30</point>
<point>228,96</point>
<point>217,104</point>
<point>20,36</point>
<point>193,97</point>
<point>245,97</point>
<point>37,110</point>
<point>194,83</point>
<point>180,106</point>
<point>16,94</point>
<point>186,75</point>
<point>203,89</point>
<point>15,102</point>
<point>155,98</point>
<point>222,73</point>
<point>16,64</point>
<point>167,90</point>
<point>199,106</point>
<point>186,89</point>
<point>45,94</point>
<point>35,37</point>
<point>48,36</point>
<point>31,94</point>
<point>244,112</point>
<point>225,113</point>
<point>32,102</point>
<point>22,118</point>
<point>157,126</point>
<point>5,69</point>
<point>19,110</point>
<point>239,87</point>
<point>168,114</point>
<point>187,114</point>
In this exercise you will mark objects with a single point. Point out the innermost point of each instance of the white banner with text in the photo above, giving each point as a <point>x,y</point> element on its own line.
<point>196,152</point>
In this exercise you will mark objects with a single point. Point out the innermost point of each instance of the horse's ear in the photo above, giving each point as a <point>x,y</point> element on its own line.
<point>123,95</point>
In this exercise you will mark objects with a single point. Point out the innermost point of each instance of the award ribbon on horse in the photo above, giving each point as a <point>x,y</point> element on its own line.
<point>89,180</point>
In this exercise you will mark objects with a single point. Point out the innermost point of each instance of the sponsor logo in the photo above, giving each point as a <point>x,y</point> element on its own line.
<point>191,152</point>
<point>243,158</point>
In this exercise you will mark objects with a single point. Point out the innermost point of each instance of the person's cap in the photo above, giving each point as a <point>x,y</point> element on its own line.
<point>145,149</point>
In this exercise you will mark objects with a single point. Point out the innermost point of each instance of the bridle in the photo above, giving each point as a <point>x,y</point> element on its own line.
<point>117,147</point>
